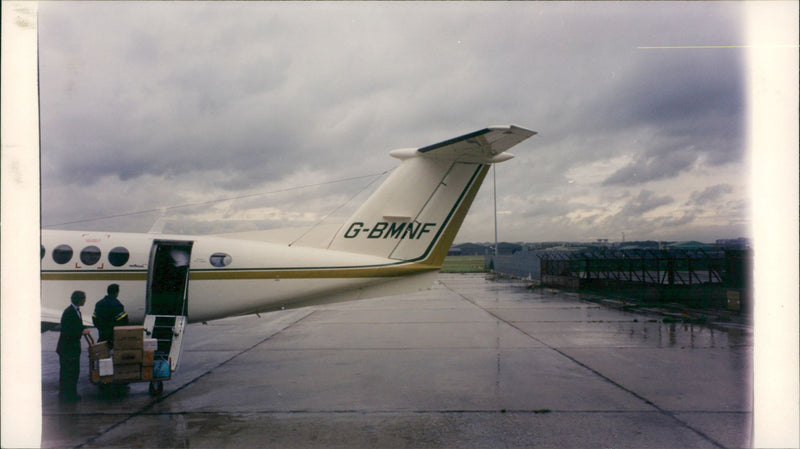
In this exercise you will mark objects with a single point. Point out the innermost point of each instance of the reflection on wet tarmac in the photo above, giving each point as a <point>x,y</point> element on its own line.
<point>169,430</point>
<point>683,335</point>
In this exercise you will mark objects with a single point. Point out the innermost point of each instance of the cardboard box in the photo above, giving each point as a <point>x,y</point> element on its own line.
<point>105,367</point>
<point>127,356</point>
<point>150,343</point>
<point>99,351</point>
<point>127,372</point>
<point>128,337</point>
<point>148,357</point>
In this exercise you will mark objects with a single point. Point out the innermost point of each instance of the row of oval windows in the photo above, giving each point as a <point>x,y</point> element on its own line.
<point>117,257</point>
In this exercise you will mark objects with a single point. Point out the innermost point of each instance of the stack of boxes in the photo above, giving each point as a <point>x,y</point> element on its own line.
<point>132,359</point>
<point>127,354</point>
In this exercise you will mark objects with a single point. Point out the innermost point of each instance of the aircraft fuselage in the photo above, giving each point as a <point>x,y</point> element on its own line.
<point>226,276</point>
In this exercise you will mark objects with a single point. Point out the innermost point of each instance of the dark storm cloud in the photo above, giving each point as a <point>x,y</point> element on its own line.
<point>712,194</point>
<point>645,201</point>
<point>674,221</point>
<point>647,167</point>
<point>694,103</point>
<point>650,103</point>
<point>675,87</point>
<point>166,102</point>
<point>639,220</point>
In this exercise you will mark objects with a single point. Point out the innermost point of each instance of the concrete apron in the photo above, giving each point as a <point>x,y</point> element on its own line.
<point>469,363</point>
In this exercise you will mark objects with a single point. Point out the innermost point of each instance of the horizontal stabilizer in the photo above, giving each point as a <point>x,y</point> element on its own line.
<point>484,146</point>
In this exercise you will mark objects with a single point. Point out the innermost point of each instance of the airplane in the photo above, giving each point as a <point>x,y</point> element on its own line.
<point>394,243</point>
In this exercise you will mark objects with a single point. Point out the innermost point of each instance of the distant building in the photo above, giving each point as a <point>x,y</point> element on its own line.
<point>505,248</point>
<point>740,243</point>
<point>566,248</point>
<point>468,249</point>
<point>690,245</point>
<point>475,249</point>
<point>644,244</point>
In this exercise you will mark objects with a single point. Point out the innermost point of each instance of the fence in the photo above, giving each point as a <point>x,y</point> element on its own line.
<point>647,266</point>
<point>697,276</point>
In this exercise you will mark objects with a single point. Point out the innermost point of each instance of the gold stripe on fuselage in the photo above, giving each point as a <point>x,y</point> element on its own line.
<point>196,275</point>
<point>94,275</point>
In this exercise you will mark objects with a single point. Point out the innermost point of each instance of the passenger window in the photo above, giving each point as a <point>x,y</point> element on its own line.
<point>119,256</point>
<point>90,255</point>
<point>62,254</point>
<point>220,259</point>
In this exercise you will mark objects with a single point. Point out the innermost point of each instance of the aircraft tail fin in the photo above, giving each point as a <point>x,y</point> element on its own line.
<point>416,213</point>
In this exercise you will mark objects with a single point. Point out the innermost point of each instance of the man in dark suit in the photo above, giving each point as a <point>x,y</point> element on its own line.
<point>69,347</point>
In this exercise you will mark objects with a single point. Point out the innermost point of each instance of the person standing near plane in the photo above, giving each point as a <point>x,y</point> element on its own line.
<point>69,347</point>
<point>109,313</point>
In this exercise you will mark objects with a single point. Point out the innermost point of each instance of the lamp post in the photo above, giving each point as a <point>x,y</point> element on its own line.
<point>494,176</point>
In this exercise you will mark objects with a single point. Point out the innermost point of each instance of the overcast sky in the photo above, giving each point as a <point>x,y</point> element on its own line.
<point>293,109</point>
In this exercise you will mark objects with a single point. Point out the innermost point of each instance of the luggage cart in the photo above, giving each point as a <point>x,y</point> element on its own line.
<point>156,375</point>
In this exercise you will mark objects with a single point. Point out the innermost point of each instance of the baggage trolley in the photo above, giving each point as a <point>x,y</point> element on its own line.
<point>123,374</point>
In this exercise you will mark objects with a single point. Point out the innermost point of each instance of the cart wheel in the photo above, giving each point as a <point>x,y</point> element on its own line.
<point>156,388</point>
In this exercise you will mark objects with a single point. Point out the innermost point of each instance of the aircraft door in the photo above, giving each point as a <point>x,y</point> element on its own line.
<point>168,278</point>
<point>168,297</point>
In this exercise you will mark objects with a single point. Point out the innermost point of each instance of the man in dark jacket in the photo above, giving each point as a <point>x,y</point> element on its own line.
<point>69,347</point>
<point>108,313</point>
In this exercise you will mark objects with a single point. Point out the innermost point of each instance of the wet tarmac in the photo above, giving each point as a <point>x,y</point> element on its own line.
<point>470,363</point>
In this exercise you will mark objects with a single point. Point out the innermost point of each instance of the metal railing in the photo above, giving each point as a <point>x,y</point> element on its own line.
<point>647,266</point>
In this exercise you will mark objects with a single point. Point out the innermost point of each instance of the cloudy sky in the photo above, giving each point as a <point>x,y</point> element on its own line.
<point>289,111</point>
